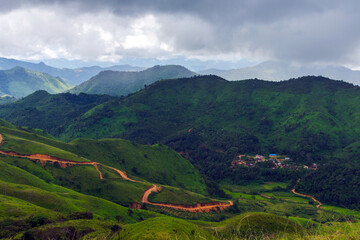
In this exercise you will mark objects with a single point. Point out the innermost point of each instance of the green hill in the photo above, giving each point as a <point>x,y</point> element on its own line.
<point>50,112</point>
<point>306,117</point>
<point>157,164</point>
<point>19,82</point>
<point>122,83</point>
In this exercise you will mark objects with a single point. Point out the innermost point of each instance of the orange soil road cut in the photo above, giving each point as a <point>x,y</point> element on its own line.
<point>309,196</point>
<point>200,207</point>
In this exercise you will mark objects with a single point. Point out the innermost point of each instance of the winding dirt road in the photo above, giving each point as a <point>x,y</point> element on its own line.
<point>200,207</point>
<point>43,159</point>
<point>308,196</point>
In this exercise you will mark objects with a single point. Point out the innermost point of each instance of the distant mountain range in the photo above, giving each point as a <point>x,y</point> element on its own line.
<point>72,76</point>
<point>277,71</point>
<point>122,83</point>
<point>19,82</point>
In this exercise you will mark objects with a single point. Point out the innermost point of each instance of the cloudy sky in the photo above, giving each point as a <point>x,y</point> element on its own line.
<point>213,31</point>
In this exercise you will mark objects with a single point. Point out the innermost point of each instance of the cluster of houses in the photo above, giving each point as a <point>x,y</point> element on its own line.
<point>278,161</point>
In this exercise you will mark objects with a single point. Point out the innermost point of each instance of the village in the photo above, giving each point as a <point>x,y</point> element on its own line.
<point>278,161</point>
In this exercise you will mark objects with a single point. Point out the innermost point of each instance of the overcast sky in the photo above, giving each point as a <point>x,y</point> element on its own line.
<point>321,31</point>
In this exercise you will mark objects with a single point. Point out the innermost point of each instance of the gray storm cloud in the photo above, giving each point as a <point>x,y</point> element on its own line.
<point>302,31</point>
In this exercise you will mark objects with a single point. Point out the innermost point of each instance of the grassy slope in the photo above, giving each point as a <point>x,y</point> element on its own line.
<point>157,164</point>
<point>69,202</point>
<point>178,196</point>
<point>257,224</point>
<point>18,183</point>
<point>163,228</point>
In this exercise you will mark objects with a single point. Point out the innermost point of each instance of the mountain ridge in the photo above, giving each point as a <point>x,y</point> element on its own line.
<point>122,83</point>
<point>278,71</point>
<point>19,82</point>
<point>73,76</point>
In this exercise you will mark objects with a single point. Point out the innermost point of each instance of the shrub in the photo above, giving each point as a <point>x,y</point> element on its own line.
<point>81,215</point>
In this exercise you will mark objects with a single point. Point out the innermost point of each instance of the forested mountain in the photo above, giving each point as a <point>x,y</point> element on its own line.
<point>50,112</point>
<point>308,116</point>
<point>122,83</point>
<point>72,76</point>
<point>277,71</point>
<point>19,82</point>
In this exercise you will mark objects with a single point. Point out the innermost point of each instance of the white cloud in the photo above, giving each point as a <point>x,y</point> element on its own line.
<point>302,31</point>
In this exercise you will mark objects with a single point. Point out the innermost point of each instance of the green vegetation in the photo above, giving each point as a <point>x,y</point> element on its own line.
<point>178,196</point>
<point>122,83</point>
<point>19,82</point>
<point>48,112</point>
<point>60,199</point>
<point>163,228</point>
<point>157,164</point>
<point>210,121</point>
<point>257,225</point>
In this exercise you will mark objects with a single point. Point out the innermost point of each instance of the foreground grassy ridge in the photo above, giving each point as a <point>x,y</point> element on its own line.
<point>158,164</point>
<point>74,229</point>
<point>163,228</point>
<point>246,226</point>
<point>84,179</point>
<point>70,201</point>
<point>257,225</point>
<point>21,184</point>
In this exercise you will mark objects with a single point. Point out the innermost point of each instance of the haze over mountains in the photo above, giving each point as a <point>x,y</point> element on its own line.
<point>72,76</point>
<point>278,71</point>
<point>122,83</point>
<point>20,82</point>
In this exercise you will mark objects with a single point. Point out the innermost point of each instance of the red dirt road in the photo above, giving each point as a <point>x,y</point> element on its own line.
<point>200,207</point>
<point>309,196</point>
<point>122,174</point>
